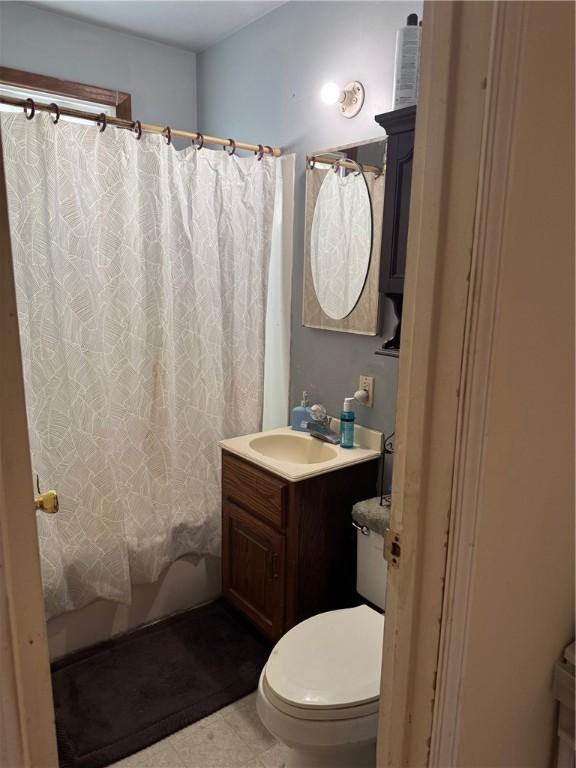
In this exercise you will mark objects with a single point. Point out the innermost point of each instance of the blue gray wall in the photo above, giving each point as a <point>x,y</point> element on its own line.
<point>161,78</point>
<point>262,84</point>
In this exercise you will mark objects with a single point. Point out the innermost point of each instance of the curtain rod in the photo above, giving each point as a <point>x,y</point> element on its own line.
<point>342,162</point>
<point>30,106</point>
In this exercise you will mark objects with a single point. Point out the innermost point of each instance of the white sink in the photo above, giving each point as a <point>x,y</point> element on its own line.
<point>293,449</point>
<point>296,456</point>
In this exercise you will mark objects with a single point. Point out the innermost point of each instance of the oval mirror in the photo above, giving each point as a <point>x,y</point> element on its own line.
<point>341,242</point>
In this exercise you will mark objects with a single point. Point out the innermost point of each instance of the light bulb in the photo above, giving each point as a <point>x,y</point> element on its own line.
<point>330,93</point>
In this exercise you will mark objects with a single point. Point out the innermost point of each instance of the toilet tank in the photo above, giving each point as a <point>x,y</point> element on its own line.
<point>371,568</point>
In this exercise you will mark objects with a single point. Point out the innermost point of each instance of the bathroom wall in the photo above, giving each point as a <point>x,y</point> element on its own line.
<point>262,84</point>
<point>161,79</point>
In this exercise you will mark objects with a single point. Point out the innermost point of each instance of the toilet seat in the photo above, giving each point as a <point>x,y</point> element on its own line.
<point>318,713</point>
<point>328,667</point>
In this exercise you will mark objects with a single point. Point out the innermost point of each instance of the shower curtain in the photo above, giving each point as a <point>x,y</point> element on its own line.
<point>141,276</point>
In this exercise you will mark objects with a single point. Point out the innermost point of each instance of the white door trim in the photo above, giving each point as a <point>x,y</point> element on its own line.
<point>487,257</point>
<point>449,129</point>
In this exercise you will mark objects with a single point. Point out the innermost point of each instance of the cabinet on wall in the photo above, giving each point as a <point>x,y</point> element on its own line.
<point>400,128</point>
<point>288,548</point>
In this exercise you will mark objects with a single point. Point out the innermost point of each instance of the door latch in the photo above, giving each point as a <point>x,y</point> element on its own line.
<point>392,547</point>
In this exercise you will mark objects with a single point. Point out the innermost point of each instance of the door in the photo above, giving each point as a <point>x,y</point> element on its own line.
<point>509,595</point>
<point>491,194</point>
<point>27,736</point>
<point>253,568</point>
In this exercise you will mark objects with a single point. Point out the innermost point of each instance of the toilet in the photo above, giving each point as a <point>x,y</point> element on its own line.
<point>319,691</point>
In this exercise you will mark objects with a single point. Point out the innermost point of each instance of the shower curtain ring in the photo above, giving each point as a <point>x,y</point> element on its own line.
<point>310,163</point>
<point>137,129</point>
<point>102,122</point>
<point>56,109</point>
<point>359,168</point>
<point>167,133</point>
<point>336,166</point>
<point>270,150</point>
<point>198,143</point>
<point>30,106</point>
<point>259,152</point>
<point>231,150</point>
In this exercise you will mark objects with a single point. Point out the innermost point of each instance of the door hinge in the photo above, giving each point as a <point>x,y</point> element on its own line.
<point>392,547</point>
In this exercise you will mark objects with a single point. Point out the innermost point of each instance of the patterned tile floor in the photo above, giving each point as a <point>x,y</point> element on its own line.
<point>234,737</point>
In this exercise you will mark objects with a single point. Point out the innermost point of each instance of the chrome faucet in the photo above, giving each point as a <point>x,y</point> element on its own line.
<point>320,428</point>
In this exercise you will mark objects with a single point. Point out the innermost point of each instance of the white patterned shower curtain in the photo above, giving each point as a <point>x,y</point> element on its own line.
<point>141,277</point>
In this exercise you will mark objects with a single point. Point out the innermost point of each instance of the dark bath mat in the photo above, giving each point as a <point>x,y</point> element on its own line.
<point>123,695</point>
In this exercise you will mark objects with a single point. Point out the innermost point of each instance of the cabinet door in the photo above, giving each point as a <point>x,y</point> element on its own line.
<point>399,157</point>
<point>400,127</point>
<point>253,569</point>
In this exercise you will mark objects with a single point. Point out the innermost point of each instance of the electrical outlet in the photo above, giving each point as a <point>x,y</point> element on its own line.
<point>367,383</point>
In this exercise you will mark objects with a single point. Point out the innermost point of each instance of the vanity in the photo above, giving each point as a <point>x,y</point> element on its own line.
<point>288,546</point>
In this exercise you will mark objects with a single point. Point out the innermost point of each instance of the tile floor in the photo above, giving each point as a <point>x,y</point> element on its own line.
<point>234,737</point>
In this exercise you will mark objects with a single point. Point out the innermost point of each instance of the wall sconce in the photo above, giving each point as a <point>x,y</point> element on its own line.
<point>351,98</point>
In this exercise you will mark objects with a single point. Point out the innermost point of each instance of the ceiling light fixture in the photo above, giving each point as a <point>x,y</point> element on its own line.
<point>350,98</point>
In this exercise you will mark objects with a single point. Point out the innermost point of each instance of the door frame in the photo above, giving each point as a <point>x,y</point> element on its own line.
<point>27,732</point>
<point>477,368</point>
<point>450,132</point>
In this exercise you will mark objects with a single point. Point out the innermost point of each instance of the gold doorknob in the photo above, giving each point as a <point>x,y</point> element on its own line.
<point>47,502</point>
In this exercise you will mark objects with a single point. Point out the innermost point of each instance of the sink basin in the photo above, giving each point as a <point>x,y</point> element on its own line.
<point>297,456</point>
<point>293,449</point>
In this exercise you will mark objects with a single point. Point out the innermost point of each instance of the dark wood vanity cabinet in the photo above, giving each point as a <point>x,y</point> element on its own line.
<point>288,549</point>
<point>400,127</point>
<point>253,564</point>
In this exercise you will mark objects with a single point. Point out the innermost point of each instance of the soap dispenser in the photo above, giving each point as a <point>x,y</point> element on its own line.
<point>347,423</point>
<point>301,415</point>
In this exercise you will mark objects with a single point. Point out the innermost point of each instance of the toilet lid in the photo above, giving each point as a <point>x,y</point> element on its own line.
<point>331,660</point>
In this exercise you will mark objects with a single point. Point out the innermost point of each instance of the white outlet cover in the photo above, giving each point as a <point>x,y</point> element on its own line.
<point>367,383</point>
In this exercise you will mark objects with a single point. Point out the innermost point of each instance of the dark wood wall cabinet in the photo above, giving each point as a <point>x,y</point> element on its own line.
<point>288,549</point>
<point>400,127</point>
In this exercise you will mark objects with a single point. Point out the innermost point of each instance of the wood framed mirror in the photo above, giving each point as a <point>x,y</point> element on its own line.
<point>343,234</point>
